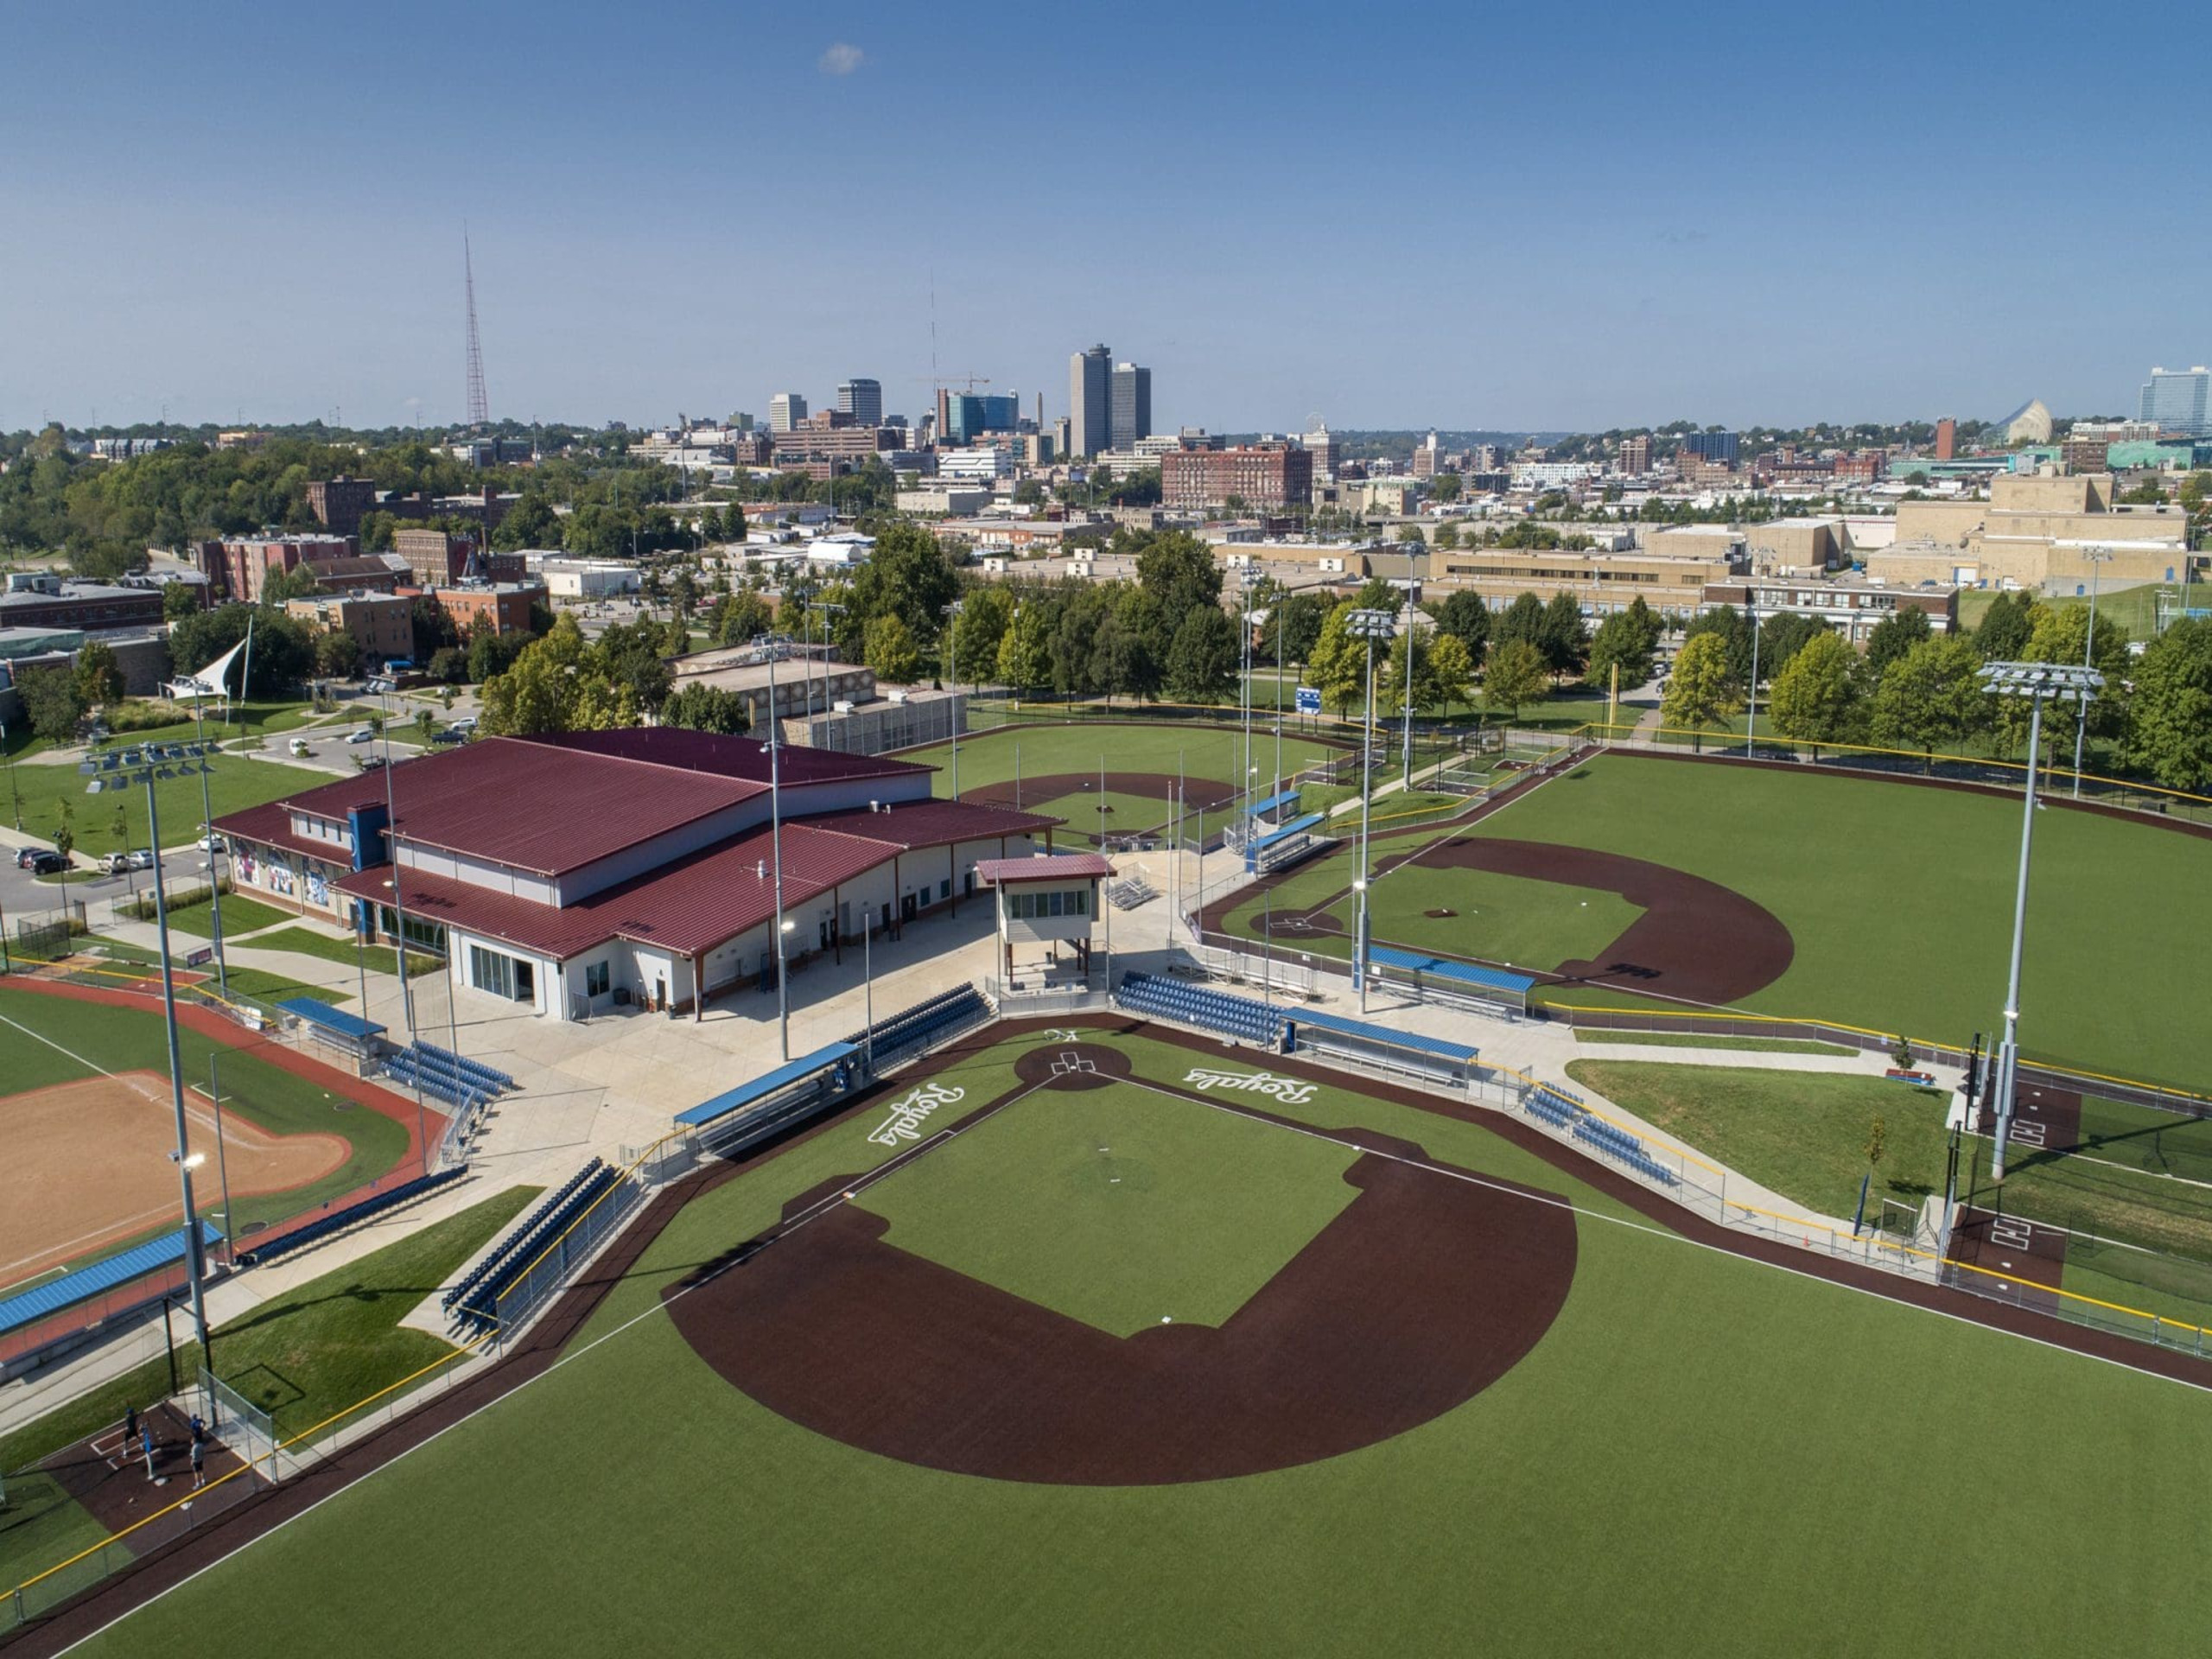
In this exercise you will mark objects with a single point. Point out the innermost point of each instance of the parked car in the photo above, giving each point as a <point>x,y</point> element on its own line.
<point>120,864</point>
<point>365,735</point>
<point>46,862</point>
<point>210,843</point>
<point>368,762</point>
<point>448,735</point>
<point>25,856</point>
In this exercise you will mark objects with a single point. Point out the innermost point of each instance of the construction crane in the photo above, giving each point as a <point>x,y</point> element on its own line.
<point>965,382</point>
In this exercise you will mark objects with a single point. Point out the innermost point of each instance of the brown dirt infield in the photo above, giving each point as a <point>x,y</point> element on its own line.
<point>1424,1291</point>
<point>88,1164</point>
<point>1200,794</point>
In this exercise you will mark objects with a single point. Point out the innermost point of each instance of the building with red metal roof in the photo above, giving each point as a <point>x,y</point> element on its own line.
<point>596,869</point>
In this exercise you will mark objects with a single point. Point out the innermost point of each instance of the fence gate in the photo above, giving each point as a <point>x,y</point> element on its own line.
<point>239,1424</point>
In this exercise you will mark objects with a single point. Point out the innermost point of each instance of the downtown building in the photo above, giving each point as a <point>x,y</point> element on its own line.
<point>578,874</point>
<point>1267,477</point>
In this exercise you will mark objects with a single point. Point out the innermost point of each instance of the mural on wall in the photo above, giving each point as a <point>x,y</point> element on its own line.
<point>318,887</point>
<point>277,877</point>
<point>242,864</point>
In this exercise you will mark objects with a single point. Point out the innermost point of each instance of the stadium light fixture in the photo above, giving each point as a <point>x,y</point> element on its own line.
<point>2039,682</point>
<point>1369,625</point>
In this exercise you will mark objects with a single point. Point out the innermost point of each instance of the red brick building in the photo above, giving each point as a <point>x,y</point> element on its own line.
<point>1265,476</point>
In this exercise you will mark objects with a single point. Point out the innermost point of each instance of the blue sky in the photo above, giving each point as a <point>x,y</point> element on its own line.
<point>1525,216</point>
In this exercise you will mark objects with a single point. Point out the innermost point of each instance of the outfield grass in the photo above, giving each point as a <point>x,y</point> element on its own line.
<point>1033,1199</point>
<point>100,1038</point>
<point>1899,899</point>
<point>234,783</point>
<point>1212,754</point>
<point>1801,1133</point>
<point>1693,1040</point>
<point>240,915</point>
<point>1686,1462</point>
<point>305,1356</point>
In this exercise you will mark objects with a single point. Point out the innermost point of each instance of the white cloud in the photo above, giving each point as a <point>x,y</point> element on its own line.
<point>842,59</point>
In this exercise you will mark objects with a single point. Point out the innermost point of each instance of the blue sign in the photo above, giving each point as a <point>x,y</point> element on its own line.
<point>1309,700</point>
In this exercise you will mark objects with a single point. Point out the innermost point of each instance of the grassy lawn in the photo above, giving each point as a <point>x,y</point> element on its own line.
<point>328,948</point>
<point>234,783</point>
<point>1801,1133</point>
<point>1894,935</point>
<point>240,915</point>
<point>1691,1039</point>
<point>1034,1198</point>
<point>123,1039</point>
<point>1762,1389</point>
<point>307,1354</point>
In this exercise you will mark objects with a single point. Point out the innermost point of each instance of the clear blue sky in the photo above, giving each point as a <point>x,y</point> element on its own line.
<point>1524,216</point>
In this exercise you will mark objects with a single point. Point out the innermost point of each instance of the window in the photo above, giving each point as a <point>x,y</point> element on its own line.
<point>597,976</point>
<point>502,975</point>
<point>1057,899</point>
<point>1078,902</point>
<point>944,889</point>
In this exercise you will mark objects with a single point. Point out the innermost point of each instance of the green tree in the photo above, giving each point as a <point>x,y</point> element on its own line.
<point>1298,628</point>
<point>64,842</point>
<point>702,708</point>
<point>1931,698</point>
<point>1026,651</point>
<point>1878,1141</point>
<point>283,648</point>
<point>100,676</point>
<point>1620,643</point>
<point>2006,627</point>
<point>1524,620</point>
<point>1203,655</point>
<point>180,599</point>
<point>51,702</point>
<point>908,575</point>
<point>1517,676</point>
<point>1127,655</point>
<point>1734,629</point>
<point>1780,637</point>
<point>1412,533</point>
<point>1893,636</point>
<point>1701,693</point>
<point>2170,724</point>
<point>1338,667</point>
<point>1565,640</point>
<point>1452,669</point>
<point>1390,676</point>
<point>1466,619</point>
<point>426,726</point>
<point>337,654</point>
<point>890,649</point>
<point>985,614</point>
<point>1816,697</point>
<point>736,619</point>
<point>557,683</point>
<point>1179,573</point>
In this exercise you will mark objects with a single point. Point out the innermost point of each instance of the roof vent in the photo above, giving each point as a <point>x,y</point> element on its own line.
<point>760,870</point>
<point>875,806</point>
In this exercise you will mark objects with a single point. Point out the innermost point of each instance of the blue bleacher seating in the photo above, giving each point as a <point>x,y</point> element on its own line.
<point>925,1023</point>
<point>336,1220</point>
<point>1198,1005</point>
<point>474,1303</point>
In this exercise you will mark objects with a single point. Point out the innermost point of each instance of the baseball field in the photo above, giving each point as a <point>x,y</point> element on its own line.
<point>89,1122</point>
<point>1865,900</point>
<point>1060,769</point>
<point>1101,1340</point>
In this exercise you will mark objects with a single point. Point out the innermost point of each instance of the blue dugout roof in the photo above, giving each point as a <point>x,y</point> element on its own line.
<point>318,1012</point>
<point>82,1286</point>
<point>1413,962</point>
<point>1465,1053</point>
<point>748,1094</point>
<point>1288,798</point>
<point>1295,826</point>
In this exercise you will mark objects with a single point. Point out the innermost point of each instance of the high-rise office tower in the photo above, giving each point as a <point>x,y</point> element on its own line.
<point>1131,415</point>
<point>863,400</point>
<point>786,410</point>
<point>1090,402</point>
<point>2177,402</point>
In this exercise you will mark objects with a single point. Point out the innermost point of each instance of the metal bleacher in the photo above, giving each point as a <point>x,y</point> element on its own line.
<point>744,1116</point>
<point>333,1222</point>
<point>1413,1052</point>
<point>1279,848</point>
<point>468,1086</point>
<point>1564,1112</point>
<point>927,1023</point>
<point>1490,990</point>
<point>1239,1017</point>
<point>473,1303</point>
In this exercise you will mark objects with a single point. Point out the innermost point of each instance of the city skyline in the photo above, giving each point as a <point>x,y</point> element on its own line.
<point>1519,279</point>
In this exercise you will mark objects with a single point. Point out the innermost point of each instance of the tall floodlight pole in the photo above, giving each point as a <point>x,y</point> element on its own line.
<point>775,851</point>
<point>196,1260</point>
<point>952,649</point>
<point>214,865</point>
<point>1752,695</point>
<point>1371,626</point>
<point>826,608</point>
<point>1247,579</point>
<point>2097,557</point>
<point>2040,682</point>
<point>1413,610</point>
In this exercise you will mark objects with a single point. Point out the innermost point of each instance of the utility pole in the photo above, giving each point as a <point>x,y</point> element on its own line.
<point>2097,557</point>
<point>1371,626</point>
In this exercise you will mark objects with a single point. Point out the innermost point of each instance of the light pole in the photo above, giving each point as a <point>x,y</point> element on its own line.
<point>776,852</point>
<point>951,613</point>
<point>2097,557</point>
<point>214,868</point>
<point>867,990</point>
<point>826,608</point>
<point>2040,682</point>
<point>1371,626</point>
<point>1247,577</point>
<point>1751,695</point>
<point>195,1261</point>
<point>223,1164</point>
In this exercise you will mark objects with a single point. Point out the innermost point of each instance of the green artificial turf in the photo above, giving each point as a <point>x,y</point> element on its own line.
<point>234,783</point>
<point>1691,1039</point>
<point>1703,1454</point>
<point>1037,1196</point>
<point>240,915</point>
<point>125,1039</point>
<point>1801,1133</point>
